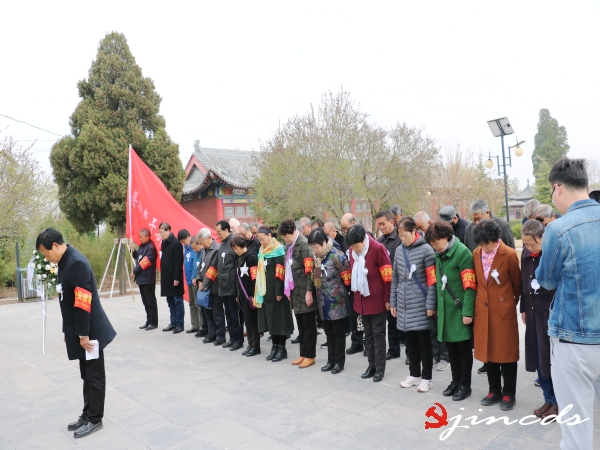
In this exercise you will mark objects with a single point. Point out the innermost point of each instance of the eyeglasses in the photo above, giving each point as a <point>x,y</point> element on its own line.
<point>553,188</point>
<point>540,219</point>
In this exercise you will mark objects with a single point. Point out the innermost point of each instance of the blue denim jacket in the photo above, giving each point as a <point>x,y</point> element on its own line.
<point>570,263</point>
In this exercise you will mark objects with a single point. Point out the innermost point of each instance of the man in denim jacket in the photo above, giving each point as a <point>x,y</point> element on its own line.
<point>570,264</point>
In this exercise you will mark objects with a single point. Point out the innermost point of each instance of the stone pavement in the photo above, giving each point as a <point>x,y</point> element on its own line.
<point>174,392</point>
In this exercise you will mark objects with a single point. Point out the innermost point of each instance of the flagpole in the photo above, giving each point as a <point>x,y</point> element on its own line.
<point>130,218</point>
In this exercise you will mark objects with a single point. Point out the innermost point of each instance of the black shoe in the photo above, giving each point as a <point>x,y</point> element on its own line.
<point>217,343</point>
<point>178,330</point>
<point>462,393</point>
<point>323,345</point>
<point>191,330</point>
<point>272,354</point>
<point>76,425</point>
<point>508,402</point>
<point>327,367</point>
<point>482,369</point>
<point>378,376</point>
<point>295,341</point>
<point>236,346</point>
<point>169,328</point>
<point>388,357</point>
<point>369,373</point>
<point>337,369</point>
<point>253,351</point>
<point>353,350</point>
<point>227,344</point>
<point>144,326</point>
<point>280,355</point>
<point>208,340</point>
<point>451,390</point>
<point>150,327</point>
<point>491,399</point>
<point>87,429</point>
<point>201,333</point>
<point>246,351</point>
<point>198,335</point>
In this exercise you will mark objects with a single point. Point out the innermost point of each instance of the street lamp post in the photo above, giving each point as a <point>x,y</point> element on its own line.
<point>502,127</point>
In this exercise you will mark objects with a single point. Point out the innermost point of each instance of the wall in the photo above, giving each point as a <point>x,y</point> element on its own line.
<point>208,210</point>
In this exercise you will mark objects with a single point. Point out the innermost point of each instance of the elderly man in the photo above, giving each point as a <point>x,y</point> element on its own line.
<point>529,209</point>
<point>305,228</point>
<point>317,223</point>
<point>206,277</point>
<point>545,214</point>
<point>347,221</point>
<point>335,235</point>
<point>459,225</point>
<point>145,277</point>
<point>253,244</point>
<point>396,210</point>
<point>480,210</point>
<point>171,276</point>
<point>422,220</point>
<point>234,225</point>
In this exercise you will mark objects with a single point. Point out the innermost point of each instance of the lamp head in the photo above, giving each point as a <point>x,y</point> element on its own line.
<point>519,151</point>
<point>489,163</point>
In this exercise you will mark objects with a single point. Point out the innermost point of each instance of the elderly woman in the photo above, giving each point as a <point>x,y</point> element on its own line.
<point>535,311</point>
<point>495,327</point>
<point>297,286</point>
<point>331,277</point>
<point>371,282</point>
<point>246,265</point>
<point>274,312</point>
<point>413,301</point>
<point>456,286</point>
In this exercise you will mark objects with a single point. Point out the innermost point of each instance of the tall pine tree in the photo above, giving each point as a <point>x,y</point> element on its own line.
<point>551,144</point>
<point>118,107</point>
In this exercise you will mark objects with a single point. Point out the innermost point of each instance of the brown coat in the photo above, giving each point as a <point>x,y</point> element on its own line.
<point>495,327</point>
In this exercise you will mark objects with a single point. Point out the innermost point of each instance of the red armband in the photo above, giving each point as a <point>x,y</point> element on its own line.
<point>280,272</point>
<point>145,263</point>
<point>386,273</point>
<point>212,273</point>
<point>309,264</point>
<point>469,279</point>
<point>83,299</point>
<point>430,272</point>
<point>253,272</point>
<point>346,277</point>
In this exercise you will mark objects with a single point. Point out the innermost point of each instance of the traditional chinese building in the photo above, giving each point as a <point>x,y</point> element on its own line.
<point>218,185</point>
<point>517,202</point>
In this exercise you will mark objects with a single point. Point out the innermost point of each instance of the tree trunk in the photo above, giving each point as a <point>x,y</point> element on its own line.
<point>121,266</point>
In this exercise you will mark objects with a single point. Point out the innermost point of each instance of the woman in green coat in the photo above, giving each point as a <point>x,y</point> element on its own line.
<point>274,310</point>
<point>456,289</point>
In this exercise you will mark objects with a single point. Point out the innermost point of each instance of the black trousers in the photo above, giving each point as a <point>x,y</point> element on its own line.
<point>336,341</point>
<point>278,339</point>
<point>148,293</point>
<point>394,336</point>
<point>307,333</point>
<point>494,374</point>
<point>375,339</point>
<point>94,387</point>
<point>439,349</point>
<point>216,319</point>
<point>232,313</point>
<point>461,361</point>
<point>418,344</point>
<point>251,321</point>
<point>356,337</point>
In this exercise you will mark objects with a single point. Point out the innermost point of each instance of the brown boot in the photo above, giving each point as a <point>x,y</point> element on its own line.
<point>542,409</point>
<point>298,361</point>
<point>307,363</point>
<point>552,411</point>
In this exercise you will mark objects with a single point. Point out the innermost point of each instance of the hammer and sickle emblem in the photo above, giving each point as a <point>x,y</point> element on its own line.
<point>440,420</point>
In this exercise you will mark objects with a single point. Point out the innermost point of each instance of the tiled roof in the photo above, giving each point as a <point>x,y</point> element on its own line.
<point>232,167</point>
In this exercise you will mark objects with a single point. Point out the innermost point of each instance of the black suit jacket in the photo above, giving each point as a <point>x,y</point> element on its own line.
<point>88,317</point>
<point>171,267</point>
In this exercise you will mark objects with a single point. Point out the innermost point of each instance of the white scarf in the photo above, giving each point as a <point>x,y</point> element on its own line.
<point>359,272</point>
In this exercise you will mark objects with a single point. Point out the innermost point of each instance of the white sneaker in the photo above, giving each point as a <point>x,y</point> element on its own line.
<point>410,381</point>
<point>425,385</point>
<point>443,365</point>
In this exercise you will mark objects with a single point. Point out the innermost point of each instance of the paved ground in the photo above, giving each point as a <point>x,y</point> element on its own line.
<point>172,391</point>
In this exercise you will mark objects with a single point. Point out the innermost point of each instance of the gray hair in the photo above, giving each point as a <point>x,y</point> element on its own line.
<point>396,210</point>
<point>255,224</point>
<point>305,221</point>
<point>244,225</point>
<point>422,215</point>
<point>530,206</point>
<point>234,222</point>
<point>298,225</point>
<point>479,206</point>
<point>204,233</point>
<point>545,211</point>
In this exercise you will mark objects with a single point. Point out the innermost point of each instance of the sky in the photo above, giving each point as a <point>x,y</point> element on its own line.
<point>230,72</point>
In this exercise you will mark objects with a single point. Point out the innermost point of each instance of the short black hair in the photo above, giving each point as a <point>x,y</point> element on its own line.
<point>239,241</point>
<point>318,222</point>
<point>287,226</point>
<point>570,173</point>
<point>385,213</point>
<point>439,229</point>
<point>183,234</point>
<point>164,226</point>
<point>486,231</point>
<point>356,234</point>
<point>317,236</point>
<point>407,224</point>
<point>224,225</point>
<point>48,237</point>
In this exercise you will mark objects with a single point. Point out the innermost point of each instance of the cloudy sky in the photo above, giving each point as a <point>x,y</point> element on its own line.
<point>228,72</point>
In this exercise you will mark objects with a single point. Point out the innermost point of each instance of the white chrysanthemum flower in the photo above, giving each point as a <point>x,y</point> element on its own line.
<point>47,267</point>
<point>39,266</point>
<point>39,277</point>
<point>32,265</point>
<point>37,256</point>
<point>44,276</point>
<point>34,252</point>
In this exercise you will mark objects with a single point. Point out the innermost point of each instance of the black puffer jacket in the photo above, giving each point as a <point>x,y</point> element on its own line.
<point>227,279</point>
<point>147,273</point>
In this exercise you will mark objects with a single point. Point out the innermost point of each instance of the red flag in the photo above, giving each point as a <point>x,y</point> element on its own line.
<point>149,203</point>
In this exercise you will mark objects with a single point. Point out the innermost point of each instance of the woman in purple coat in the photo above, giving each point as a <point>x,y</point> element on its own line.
<point>535,311</point>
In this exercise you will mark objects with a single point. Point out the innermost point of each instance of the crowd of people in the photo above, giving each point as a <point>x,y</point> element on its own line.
<point>447,289</point>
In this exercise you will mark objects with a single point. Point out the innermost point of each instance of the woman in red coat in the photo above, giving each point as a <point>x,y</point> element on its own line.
<point>371,283</point>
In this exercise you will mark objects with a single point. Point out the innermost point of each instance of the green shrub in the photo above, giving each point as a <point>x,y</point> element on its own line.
<point>516,230</point>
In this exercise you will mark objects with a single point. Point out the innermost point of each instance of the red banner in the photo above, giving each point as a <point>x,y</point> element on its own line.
<point>149,203</point>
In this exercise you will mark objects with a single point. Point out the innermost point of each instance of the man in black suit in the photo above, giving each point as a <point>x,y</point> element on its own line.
<point>171,279</point>
<point>84,320</point>
<point>145,277</point>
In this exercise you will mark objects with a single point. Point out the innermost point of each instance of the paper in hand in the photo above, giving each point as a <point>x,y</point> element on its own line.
<point>95,353</point>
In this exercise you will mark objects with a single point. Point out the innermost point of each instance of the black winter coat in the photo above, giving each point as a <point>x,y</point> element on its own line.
<point>171,267</point>
<point>88,317</point>
<point>226,261</point>
<point>461,229</point>
<point>246,266</point>
<point>253,245</point>
<point>145,269</point>
<point>207,270</point>
<point>505,234</point>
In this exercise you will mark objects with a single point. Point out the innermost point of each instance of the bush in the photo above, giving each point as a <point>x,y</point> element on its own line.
<point>516,230</point>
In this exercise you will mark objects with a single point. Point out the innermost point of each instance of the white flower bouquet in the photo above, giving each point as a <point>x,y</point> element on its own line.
<point>44,270</point>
